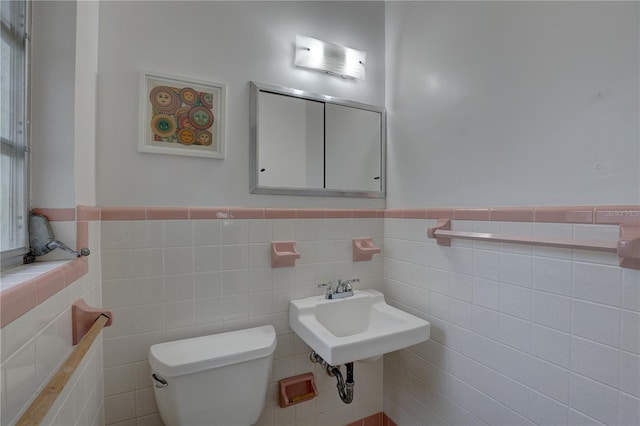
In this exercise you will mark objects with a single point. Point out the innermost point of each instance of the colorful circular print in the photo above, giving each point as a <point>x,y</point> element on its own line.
<point>186,136</point>
<point>188,96</point>
<point>183,121</point>
<point>201,118</point>
<point>204,137</point>
<point>206,99</point>
<point>164,99</point>
<point>180,112</point>
<point>163,125</point>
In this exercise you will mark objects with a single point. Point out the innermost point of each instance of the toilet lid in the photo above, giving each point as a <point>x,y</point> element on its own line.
<point>180,357</point>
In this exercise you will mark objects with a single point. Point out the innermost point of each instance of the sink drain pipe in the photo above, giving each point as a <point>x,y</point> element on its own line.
<point>345,390</point>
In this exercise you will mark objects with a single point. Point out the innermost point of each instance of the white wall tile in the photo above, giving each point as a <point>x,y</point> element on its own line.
<point>235,232</point>
<point>597,283</point>
<point>630,373</point>
<point>486,293</point>
<point>179,260</point>
<point>235,256</point>
<point>629,410</point>
<point>485,322</point>
<point>515,301</point>
<point>630,332</point>
<point>551,345</point>
<point>631,289</point>
<point>594,399</point>
<point>596,361</point>
<point>179,287</point>
<point>551,380</point>
<point>207,259</point>
<point>596,322</point>
<point>207,232</point>
<point>552,310</point>
<point>546,411</point>
<point>552,275</point>
<point>177,233</point>
<point>516,269</point>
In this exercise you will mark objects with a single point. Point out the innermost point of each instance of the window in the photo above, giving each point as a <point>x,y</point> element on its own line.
<point>14,54</point>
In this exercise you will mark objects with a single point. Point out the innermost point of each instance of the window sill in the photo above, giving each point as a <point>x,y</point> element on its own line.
<point>25,287</point>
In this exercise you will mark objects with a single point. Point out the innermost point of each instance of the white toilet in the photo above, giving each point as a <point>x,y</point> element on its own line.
<point>216,380</point>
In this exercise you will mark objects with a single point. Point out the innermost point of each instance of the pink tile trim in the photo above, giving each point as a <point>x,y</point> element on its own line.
<point>49,284</point>
<point>82,235</point>
<point>386,420</point>
<point>246,213</point>
<point>55,215</point>
<point>167,213</point>
<point>280,213</point>
<point>471,214</point>
<point>310,213</point>
<point>364,213</point>
<point>439,213</point>
<point>415,213</point>
<point>123,213</point>
<point>338,214</point>
<point>88,213</point>
<point>373,420</point>
<point>617,215</point>
<point>17,301</point>
<point>512,214</point>
<point>75,270</point>
<point>380,213</point>
<point>568,214</point>
<point>209,212</point>
<point>394,213</point>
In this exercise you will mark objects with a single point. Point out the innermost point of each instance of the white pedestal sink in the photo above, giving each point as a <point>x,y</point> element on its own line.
<point>354,328</point>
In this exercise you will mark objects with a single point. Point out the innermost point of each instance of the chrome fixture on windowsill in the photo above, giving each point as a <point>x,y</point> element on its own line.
<point>343,288</point>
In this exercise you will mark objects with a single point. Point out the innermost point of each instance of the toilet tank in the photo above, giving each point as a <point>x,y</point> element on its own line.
<point>221,379</point>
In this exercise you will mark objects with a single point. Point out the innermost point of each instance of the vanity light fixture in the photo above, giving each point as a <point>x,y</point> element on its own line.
<point>329,58</point>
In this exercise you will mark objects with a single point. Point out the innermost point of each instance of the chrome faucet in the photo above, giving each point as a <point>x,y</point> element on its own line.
<point>343,288</point>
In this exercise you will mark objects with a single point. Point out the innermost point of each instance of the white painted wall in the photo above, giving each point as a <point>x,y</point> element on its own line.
<point>229,42</point>
<point>53,73</point>
<point>86,65</point>
<point>513,103</point>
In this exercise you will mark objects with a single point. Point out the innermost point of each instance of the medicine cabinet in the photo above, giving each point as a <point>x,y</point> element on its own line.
<point>304,143</point>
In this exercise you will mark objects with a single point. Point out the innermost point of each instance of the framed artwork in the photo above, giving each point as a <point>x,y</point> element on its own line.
<point>181,116</point>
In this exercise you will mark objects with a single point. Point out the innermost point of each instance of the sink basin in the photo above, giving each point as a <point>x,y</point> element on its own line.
<point>354,328</point>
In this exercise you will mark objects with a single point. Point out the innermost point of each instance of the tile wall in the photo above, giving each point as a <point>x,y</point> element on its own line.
<point>36,343</point>
<point>173,279</point>
<point>520,334</point>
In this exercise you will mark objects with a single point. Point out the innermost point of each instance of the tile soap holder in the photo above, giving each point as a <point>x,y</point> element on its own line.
<point>364,249</point>
<point>283,254</point>
<point>297,389</point>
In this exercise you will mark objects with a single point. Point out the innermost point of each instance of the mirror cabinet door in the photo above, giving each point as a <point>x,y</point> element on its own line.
<point>352,148</point>
<point>303,143</point>
<point>291,135</point>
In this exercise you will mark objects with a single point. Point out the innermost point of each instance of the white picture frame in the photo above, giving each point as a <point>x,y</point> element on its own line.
<point>181,116</point>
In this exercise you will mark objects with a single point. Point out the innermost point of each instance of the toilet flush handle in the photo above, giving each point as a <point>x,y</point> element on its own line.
<point>160,382</point>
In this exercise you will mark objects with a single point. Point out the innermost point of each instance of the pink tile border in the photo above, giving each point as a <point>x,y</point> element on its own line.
<point>167,213</point>
<point>49,284</point>
<point>617,215</point>
<point>365,213</point>
<point>75,270</point>
<point>415,213</point>
<point>338,214</point>
<point>246,213</point>
<point>394,213</point>
<point>471,214</point>
<point>123,213</point>
<point>88,213</point>
<point>439,213</point>
<point>511,214</point>
<point>310,214</point>
<point>17,301</point>
<point>209,212</point>
<point>280,213</point>
<point>57,215</point>
<point>568,214</point>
